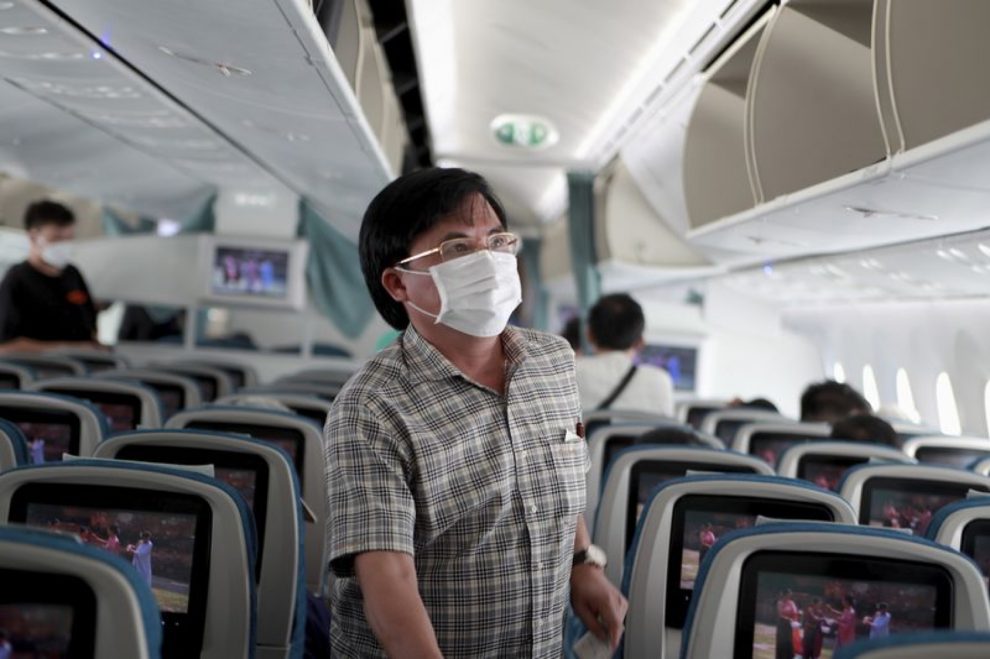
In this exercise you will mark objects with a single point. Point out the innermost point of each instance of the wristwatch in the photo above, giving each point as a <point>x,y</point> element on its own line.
<point>592,555</point>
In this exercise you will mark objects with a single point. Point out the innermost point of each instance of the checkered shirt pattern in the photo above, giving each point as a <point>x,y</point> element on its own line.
<point>483,490</point>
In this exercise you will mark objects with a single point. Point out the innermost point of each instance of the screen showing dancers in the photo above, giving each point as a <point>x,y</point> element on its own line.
<point>250,272</point>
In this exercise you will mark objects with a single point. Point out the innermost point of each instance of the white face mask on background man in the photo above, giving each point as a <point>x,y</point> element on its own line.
<point>57,254</point>
<point>478,292</point>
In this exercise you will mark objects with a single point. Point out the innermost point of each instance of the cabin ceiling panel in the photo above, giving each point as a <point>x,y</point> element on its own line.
<point>73,117</point>
<point>585,66</point>
<point>261,73</point>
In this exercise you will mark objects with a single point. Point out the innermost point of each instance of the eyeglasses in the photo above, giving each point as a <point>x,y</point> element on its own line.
<point>505,243</point>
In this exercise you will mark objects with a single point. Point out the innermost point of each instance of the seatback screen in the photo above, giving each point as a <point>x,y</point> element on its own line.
<point>826,471</point>
<point>122,411</point>
<point>976,545</point>
<point>810,605</point>
<point>699,521</point>
<point>288,439</point>
<point>46,615</point>
<point>164,535</point>
<point>948,456</point>
<point>769,446</point>
<point>907,503</point>
<point>49,433</point>
<point>647,475</point>
<point>245,472</point>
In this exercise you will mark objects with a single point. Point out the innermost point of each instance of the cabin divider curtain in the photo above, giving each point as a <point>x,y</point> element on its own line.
<point>540,304</point>
<point>202,221</point>
<point>581,229</point>
<point>333,274</point>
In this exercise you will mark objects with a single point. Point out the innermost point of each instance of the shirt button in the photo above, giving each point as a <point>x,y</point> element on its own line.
<point>532,509</point>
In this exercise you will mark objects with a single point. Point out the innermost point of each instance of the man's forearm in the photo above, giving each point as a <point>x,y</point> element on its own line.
<point>392,604</point>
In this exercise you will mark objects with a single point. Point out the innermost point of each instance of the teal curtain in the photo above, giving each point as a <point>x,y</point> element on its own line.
<point>581,227</point>
<point>115,225</point>
<point>333,274</point>
<point>203,220</point>
<point>531,262</point>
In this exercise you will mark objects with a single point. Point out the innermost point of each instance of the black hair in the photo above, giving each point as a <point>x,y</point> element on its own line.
<point>759,404</point>
<point>831,401</point>
<point>865,428</point>
<point>572,332</point>
<point>882,606</point>
<point>616,322</point>
<point>406,208</point>
<point>45,212</point>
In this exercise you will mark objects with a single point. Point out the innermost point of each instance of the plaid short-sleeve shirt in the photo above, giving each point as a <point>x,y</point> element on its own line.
<point>483,490</point>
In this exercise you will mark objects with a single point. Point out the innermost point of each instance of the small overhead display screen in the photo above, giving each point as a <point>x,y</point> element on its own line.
<point>679,361</point>
<point>239,271</point>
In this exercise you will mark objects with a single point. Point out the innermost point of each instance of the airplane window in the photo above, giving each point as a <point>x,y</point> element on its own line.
<point>986,405</point>
<point>905,397</point>
<point>838,372</point>
<point>870,390</point>
<point>948,413</point>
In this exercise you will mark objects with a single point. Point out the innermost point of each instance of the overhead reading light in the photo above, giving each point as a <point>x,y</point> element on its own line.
<point>21,31</point>
<point>876,213</point>
<point>524,131</point>
<point>226,70</point>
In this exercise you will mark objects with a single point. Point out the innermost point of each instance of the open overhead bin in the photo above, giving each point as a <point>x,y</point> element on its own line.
<point>867,122</point>
<point>811,108</point>
<point>716,177</point>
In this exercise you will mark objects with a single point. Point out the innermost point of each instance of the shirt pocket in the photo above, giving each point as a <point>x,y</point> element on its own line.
<point>569,455</point>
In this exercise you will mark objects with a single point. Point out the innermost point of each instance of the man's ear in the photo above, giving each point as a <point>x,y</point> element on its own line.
<point>639,344</point>
<point>393,285</point>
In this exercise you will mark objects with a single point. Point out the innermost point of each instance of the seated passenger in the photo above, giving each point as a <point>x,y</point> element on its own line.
<point>609,379</point>
<point>754,404</point>
<point>866,428</point>
<point>831,401</point>
<point>44,301</point>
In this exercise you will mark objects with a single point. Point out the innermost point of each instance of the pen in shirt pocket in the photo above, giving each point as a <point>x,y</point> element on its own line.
<point>579,430</point>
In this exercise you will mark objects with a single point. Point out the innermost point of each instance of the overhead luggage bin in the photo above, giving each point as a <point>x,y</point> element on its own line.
<point>935,57</point>
<point>716,178</point>
<point>867,124</point>
<point>811,107</point>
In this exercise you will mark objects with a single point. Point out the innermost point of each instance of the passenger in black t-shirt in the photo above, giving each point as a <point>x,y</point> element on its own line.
<point>44,301</point>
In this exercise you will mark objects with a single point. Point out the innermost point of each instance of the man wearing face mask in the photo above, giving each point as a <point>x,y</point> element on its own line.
<point>455,474</point>
<point>44,301</point>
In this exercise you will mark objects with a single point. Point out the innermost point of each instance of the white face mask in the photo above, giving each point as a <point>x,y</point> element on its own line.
<point>477,292</point>
<point>57,254</point>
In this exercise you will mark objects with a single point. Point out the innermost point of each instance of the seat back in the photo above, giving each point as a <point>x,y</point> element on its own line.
<point>15,376</point>
<point>768,440</point>
<point>54,424</point>
<point>96,361</point>
<point>598,419</point>
<point>607,441</point>
<point>73,600</point>
<point>906,496</point>
<point>175,392</point>
<point>981,467</point>
<point>693,412</point>
<point>312,407</point>
<point>329,375</point>
<point>302,439</point>
<point>824,463</point>
<point>265,476</point>
<point>965,525</point>
<point>725,423</point>
<point>126,405</point>
<point>635,472</point>
<point>46,366</point>
<point>680,523</point>
<point>13,446</point>
<point>757,589</point>
<point>213,383</point>
<point>948,644</point>
<point>241,375</point>
<point>325,390</point>
<point>960,452</point>
<point>191,537</point>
